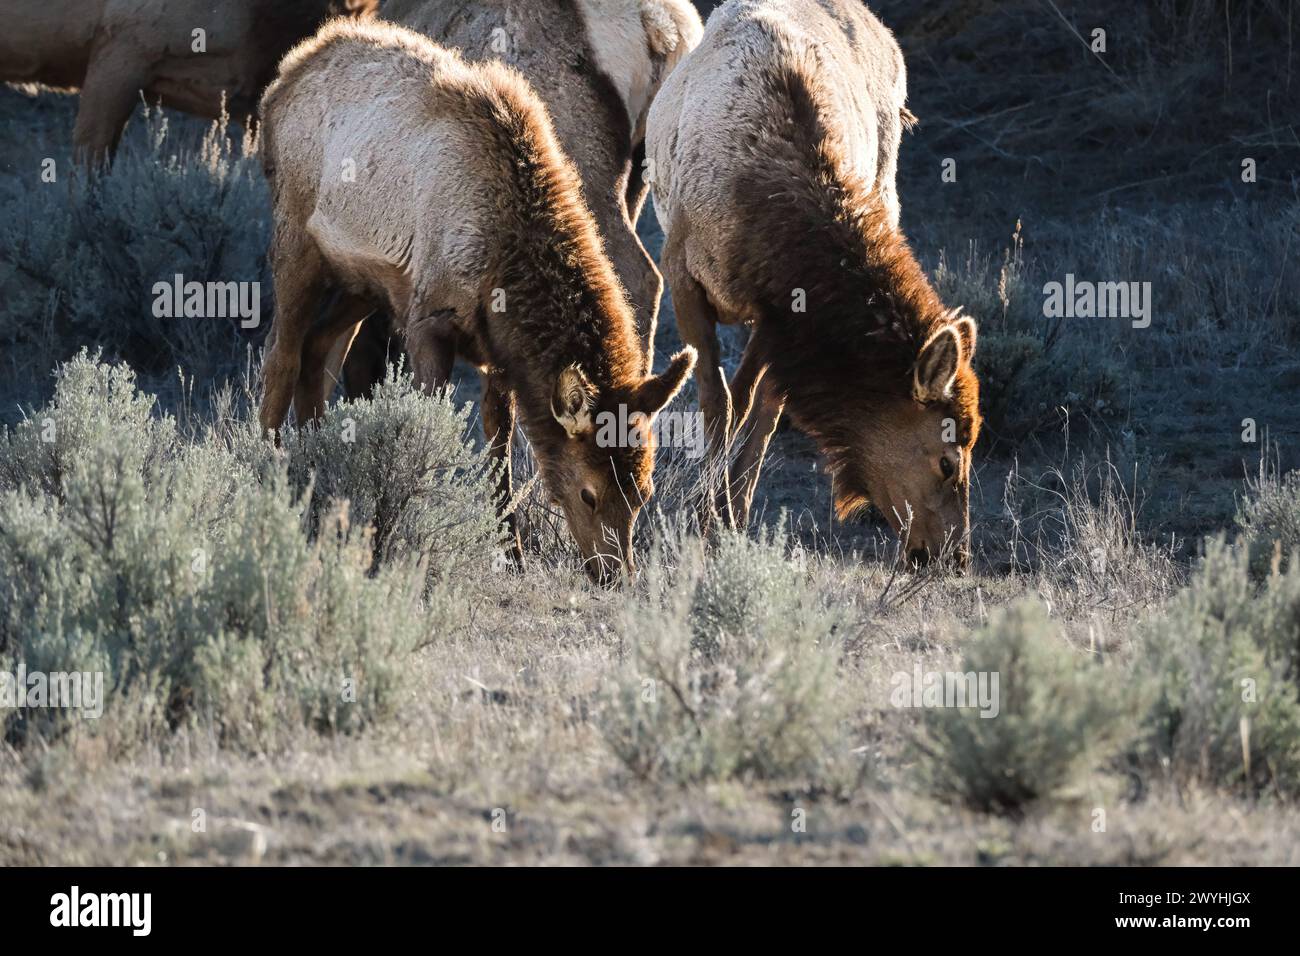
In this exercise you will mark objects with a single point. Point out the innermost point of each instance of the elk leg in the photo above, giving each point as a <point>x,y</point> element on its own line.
<point>498,413</point>
<point>645,284</point>
<point>638,274</point>
<point>748,393</point>
<point>431,343</point>
<point>114,78</point>
<point>316,379</point>
<point>338,356</point>
<point>697,325</point>
<point>749,462</point>
<point>298,273</point>
<point>367,361</point>
<point>744,386</point>
<point>637,187</point>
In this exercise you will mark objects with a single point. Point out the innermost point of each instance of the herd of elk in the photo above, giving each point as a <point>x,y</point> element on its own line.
<point>496,150</point>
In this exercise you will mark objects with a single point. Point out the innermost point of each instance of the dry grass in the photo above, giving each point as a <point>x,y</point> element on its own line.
<point>737,703</point>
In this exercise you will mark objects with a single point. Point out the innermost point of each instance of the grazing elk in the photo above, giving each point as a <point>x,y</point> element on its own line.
<point>405,177</point>
<point>775,145</point>
<point>192,55</point>
<point>597,65</point>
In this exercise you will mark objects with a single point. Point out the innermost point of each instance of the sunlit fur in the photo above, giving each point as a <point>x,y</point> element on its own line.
<point>597,65</point>
<point>871,307</point>
<point>795,212</point>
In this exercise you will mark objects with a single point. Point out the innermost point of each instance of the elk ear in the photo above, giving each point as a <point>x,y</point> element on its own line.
<point>572,401</point>
<point>965,326</point>
<point>936,366</point>
<point>658,390</point>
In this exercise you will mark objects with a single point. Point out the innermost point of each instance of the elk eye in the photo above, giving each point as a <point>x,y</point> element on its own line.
<point>589,498</point>
<point>946,466</point>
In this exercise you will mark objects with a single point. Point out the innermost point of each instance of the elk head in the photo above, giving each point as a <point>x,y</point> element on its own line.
<point>913,456</point>
<point>599,472</point>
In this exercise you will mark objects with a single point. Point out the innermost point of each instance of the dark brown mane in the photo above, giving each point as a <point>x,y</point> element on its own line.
<point>869,306</point>
<point>866,293</point>
<point>563,302</point>
<point>572,307</point>
<point>553,261</point>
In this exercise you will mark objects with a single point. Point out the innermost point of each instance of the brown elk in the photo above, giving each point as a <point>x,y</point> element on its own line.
<point>191,55</point>
<point>404,177</point>
<point>597,65</point>
<point>775,145</point>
